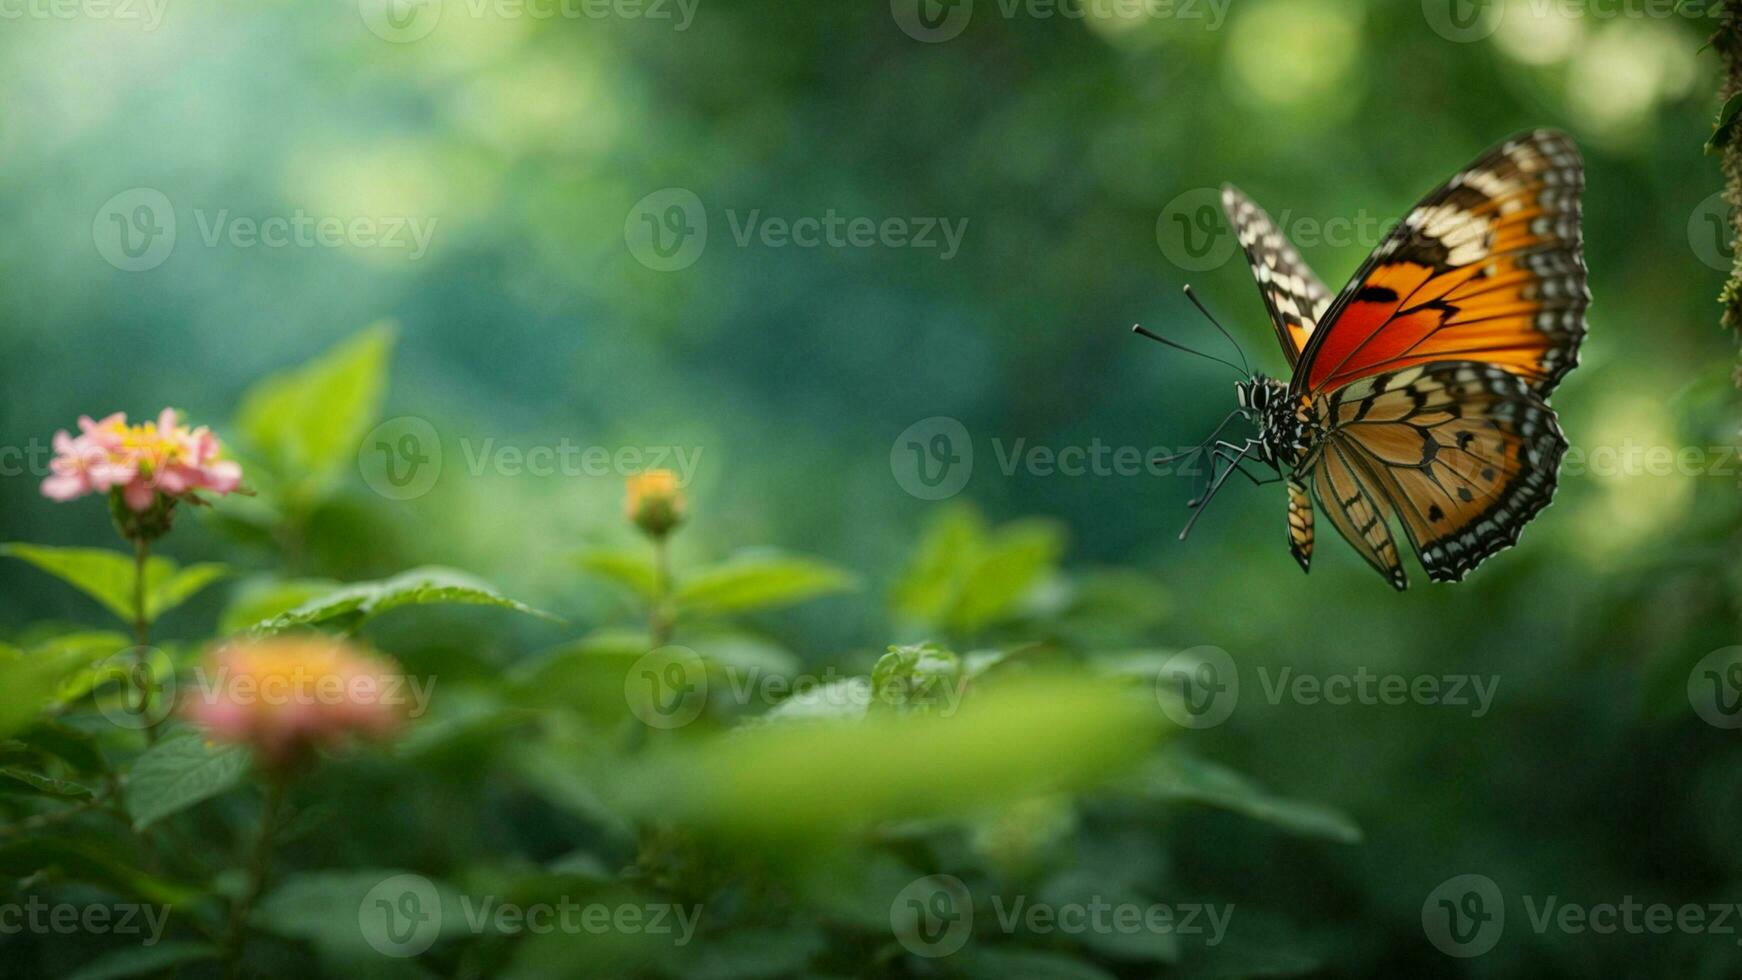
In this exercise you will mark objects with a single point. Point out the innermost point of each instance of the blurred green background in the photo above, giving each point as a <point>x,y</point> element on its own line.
<point>1067,146</point>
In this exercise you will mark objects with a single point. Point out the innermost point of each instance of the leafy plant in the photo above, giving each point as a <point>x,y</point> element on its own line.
<point>682,758</point>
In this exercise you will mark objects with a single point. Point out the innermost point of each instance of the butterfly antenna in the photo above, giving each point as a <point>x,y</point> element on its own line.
<point>1140,329</point>
<point>1218,325</point>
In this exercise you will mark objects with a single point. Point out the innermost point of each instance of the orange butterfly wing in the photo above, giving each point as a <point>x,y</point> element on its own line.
<point>1487,268</point>
<point>1465,454</point>
<point>1429,373</point>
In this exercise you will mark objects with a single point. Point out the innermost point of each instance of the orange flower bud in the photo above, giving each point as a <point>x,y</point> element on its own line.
<point>655,502</point>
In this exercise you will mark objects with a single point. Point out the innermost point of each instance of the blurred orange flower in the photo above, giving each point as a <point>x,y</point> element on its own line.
<point>289,696</point>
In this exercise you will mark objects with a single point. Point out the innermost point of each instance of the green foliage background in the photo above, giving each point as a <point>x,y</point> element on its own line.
<point>792,371</point>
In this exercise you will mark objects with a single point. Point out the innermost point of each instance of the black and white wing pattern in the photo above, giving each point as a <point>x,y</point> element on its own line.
<point>1295,296</point>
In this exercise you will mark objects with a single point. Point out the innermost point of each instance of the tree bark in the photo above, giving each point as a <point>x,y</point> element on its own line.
<point>1727,41</point>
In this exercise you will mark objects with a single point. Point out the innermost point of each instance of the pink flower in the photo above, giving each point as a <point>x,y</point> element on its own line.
<point>289,696</point>
<point>141,461</point>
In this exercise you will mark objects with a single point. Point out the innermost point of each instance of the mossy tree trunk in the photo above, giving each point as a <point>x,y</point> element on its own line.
<point>1727,41</point>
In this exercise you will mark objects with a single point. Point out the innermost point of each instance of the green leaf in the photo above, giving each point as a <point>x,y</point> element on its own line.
<point>178,772</point>
<point>261,599</point>
<point>982,663</point>
<point>328,909</point>
<point>759,581</point>
<point>305,424</point>
<point>631,569</point>
<point>107,576</point>
<point>596,679</point>
<point>964,577</point>
<point>32,681</point>
<point>924,592</point>
<point>1087,886</point>
<point>1027,736</point>
<point>1017,557</point>
<point>742,655</point>
<point>1002,963</point>
<point>135,961</point>
<point>87,653</point>
<point>553,770</point>
<point>919,677</point>
<point>1231,961</point>
<point>609,953</point>
<point>846,699</point>
<point>164,594</point>
<point>75,748</point>
<point>305,821</point>
<point>1018,836</point>
<point>585,677</point>
<point>362,601</point>
<point>15,778</point>
<point>1724,129</point>
<point>73,860</point>
<point>1180,777</point>
<point>753,954</point>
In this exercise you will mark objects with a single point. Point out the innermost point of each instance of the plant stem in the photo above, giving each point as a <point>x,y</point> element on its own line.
<point>259,864</point>
<point>142,630</point>
<point>141,625</point>
<point>660,617</point>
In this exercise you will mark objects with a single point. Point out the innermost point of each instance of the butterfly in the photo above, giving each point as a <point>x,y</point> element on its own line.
<point>1419,394</point>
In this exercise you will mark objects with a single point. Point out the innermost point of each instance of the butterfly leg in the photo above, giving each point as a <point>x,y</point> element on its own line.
<point>1232,455</point>
<point>1199,505</point>
<point>1171,457</point>
<point>1267,481</point>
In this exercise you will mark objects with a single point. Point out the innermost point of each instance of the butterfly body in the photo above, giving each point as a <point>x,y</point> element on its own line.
<point>1287,429</point>
<point>1419,394</point>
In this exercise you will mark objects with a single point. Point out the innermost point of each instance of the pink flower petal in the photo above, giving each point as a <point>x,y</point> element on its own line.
<point>176,479</point>
<point>223,476</point>
<point>64,487</point>
<point>139,496</point>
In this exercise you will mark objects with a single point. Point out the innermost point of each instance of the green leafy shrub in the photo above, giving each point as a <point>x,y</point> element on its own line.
<point>780,812</point>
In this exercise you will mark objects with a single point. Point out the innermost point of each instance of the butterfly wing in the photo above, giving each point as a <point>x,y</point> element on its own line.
<point>1293,294</point>
<point>1488,268</point>
<point>1349,497</point>
<point>1464,453</point>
